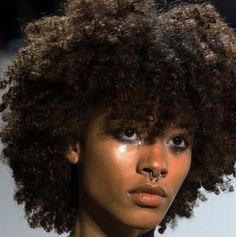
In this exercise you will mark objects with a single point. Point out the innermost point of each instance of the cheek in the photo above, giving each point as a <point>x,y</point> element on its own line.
<point>178,170</point>
<point>109,155</point>
<point>108,162</point>
<point>107,173</point>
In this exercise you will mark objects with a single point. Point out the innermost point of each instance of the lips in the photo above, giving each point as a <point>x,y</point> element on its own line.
<point>148,195</point>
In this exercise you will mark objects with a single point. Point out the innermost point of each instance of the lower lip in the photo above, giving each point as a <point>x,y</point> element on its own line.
<point>146,199</point>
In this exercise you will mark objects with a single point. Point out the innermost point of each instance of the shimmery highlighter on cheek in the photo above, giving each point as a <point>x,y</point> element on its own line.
<point>123,148</point>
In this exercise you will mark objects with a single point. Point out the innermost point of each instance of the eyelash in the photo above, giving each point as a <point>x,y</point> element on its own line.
<point>137,138</point>
<point>121,133</point>
<point>177,148</point>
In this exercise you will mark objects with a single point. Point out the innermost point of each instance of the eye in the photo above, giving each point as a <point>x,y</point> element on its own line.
<point>178,143</point>
<point>128,135</point>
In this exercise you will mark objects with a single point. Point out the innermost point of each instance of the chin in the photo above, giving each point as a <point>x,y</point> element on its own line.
<point>145,220</point>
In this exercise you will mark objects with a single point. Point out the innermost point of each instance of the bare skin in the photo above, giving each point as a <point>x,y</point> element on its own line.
<point>127,184</point>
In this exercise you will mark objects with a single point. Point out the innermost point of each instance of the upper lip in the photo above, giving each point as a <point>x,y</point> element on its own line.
<point>150,188</point>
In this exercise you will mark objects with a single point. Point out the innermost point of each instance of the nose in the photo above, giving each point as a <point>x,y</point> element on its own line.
<point>153,161</point>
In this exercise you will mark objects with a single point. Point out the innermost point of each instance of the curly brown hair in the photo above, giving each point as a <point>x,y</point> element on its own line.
<point>133,59</point>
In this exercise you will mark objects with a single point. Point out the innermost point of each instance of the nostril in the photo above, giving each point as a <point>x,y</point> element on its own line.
<point>155,174</point>
<point>147,170</point>
<point>163,173</point>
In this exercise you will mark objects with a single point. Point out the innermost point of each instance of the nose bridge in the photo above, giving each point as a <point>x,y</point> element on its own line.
<point>154,159</point>
<point>157,155</point>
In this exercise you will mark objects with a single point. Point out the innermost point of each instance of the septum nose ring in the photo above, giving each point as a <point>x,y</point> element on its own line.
<point>154,177</point>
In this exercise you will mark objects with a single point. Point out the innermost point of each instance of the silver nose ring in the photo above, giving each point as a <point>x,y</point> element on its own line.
<point>154,177</point>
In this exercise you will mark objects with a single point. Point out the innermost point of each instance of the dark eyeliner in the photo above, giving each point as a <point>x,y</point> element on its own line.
<point>118,135</point>
<point>177,149</point>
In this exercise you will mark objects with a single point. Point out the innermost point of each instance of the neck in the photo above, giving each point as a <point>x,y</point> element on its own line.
<point>87,226</point>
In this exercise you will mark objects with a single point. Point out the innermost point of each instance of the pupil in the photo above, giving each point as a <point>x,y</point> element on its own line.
<point>129,133</point>
<point>178,140</point>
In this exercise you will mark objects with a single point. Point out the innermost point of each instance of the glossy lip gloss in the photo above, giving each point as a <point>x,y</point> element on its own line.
<point>147,195</point>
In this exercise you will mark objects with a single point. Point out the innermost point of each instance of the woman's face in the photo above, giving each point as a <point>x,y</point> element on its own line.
<point>127,178</point>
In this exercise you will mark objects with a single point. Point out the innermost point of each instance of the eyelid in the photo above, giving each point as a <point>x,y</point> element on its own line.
<point>120,133</point>
<point>178,149</point>
<point>168,134</point>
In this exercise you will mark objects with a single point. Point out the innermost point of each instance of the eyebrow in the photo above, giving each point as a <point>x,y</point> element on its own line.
<point>189,126</point>
<point>185,125</point>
